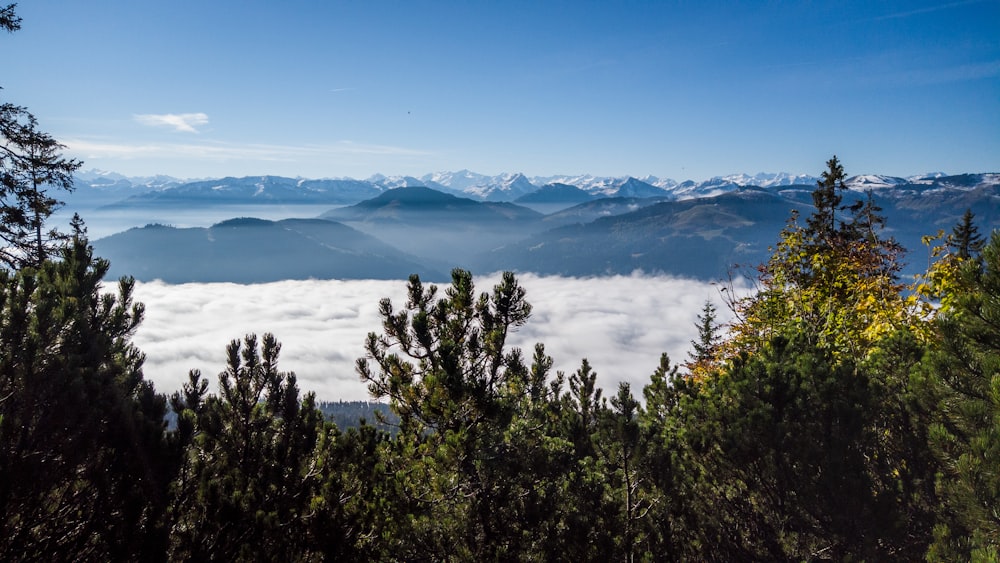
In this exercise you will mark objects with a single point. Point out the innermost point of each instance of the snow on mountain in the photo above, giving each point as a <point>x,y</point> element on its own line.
<point>623,186</point>
<point>662,183</point>
<point>969,181</point>
<point>690,189</point>
<point>458,181</point>
<point>505,187</point>
<point>925,178</point>
<point>866,182</point>
<point>784,179</point>
<point>761,180</point>
<point>597,185</point>
<point>718,185</point>
<point>99,187</point>
<point>390,182</point>
<point>101,178</point>
<point>633,187</point>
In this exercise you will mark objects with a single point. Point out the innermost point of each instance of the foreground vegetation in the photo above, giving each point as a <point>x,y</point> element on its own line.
<point>843,415</point>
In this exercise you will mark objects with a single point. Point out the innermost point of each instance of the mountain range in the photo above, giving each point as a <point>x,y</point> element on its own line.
<point>109,189</point>
<point>699,230</point>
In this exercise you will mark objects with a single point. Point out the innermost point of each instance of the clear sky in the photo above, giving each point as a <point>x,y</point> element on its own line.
<point>683,90</point>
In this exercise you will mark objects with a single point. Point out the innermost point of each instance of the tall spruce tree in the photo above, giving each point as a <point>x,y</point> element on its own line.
<point>965,240</point>
<point>826,200</point>
<point>31,165</point>
<point>704,349</point>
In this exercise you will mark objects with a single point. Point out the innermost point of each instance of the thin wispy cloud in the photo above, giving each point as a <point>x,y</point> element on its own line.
<point>183,122</point>
<point>927,10</point>
<point>86,148</point>
<point>943,75</point>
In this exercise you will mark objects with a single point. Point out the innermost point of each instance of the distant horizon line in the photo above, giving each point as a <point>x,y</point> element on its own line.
<point>99,171</point>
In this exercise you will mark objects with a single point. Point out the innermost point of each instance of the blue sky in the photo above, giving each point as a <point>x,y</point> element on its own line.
<point>683,90</point>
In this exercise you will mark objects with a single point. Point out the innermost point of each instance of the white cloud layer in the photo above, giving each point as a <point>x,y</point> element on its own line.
<point>183,122</point>
<point>621,324</point>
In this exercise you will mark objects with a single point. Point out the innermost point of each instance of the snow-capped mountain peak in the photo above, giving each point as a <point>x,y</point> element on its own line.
<point>505,187</point>
<point>456,180</point>
<point>873,182</point>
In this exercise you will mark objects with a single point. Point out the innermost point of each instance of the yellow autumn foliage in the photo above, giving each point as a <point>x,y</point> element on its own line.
<point>841,291</point>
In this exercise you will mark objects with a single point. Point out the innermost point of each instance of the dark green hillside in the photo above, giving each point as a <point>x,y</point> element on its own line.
<point>253,250</point>
<point>597,209</point>
<point>555,193</point>
<point>700,238</point>
<point>552,198</point>
<point>440,228</point>
<point>350,414</point>
<point>419,205</point>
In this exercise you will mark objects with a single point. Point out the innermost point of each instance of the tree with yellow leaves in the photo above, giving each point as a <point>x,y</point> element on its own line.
<point>802,426</point>
<point>836,279</point>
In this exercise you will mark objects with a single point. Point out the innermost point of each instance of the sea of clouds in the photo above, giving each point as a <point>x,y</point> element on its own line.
<point>621,324</point>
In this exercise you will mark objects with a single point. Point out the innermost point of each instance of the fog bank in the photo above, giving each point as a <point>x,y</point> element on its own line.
<point>621,324</point>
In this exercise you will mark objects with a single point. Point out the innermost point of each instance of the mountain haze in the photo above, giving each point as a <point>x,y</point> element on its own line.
<point>699,230</point>
<point>248,250</point>
<point>438,227</point>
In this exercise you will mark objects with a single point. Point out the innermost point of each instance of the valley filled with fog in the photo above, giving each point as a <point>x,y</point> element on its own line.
<point>620,268</point>
<point>621,324</point>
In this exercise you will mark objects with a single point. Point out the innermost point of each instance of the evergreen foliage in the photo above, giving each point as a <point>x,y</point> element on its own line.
<point>264,475</point>
<point>965,369</point>
<point>30,165</point>
<point>9,20</point>
<point>81,433</point>
<point>965,239</point>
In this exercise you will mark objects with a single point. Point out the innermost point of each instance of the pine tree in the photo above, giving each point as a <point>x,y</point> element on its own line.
<point>704,349</point>
<point>456,388</point>
<point>966,439</point>
<point>838,284</point>
<point>251,473</point>
<point>682,522</point>
<point>621,446</point>
<point>826,200</point>
<point>808,417</point>
<point>9,21</point>
<point>965,240</point>
<point>30,166</point>
<point>81,432</point>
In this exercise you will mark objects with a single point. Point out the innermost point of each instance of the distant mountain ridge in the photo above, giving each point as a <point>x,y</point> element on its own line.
<point>422,230</point>
<point>437,226</point>
<point>248,250</point>
<point>109,189</point>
